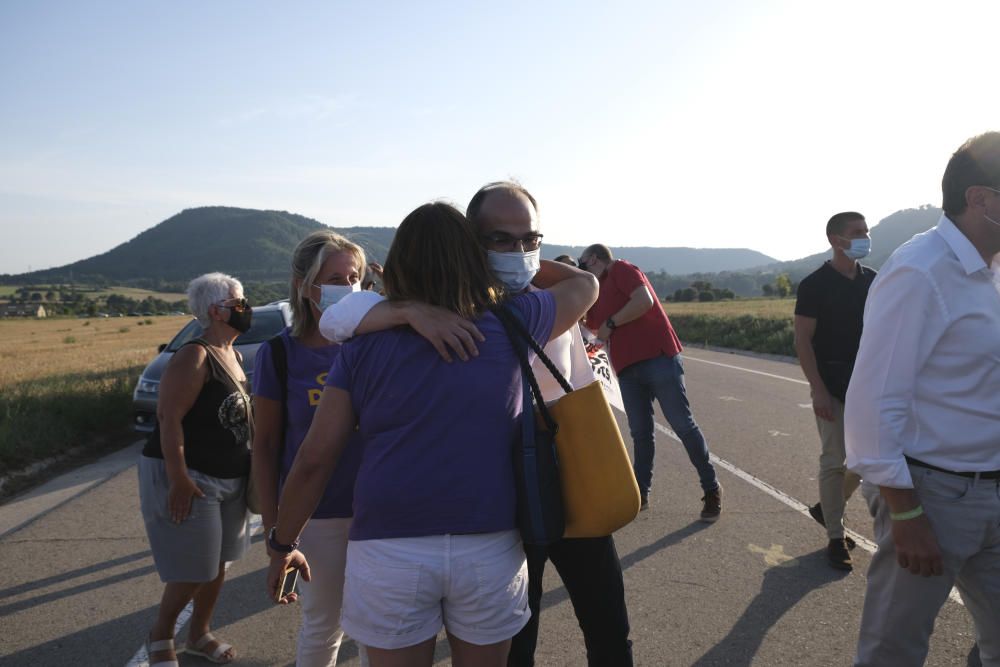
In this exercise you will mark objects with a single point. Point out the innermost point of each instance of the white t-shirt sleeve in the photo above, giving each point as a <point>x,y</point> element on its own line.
<point>581,372</point>
<point>340,320</point>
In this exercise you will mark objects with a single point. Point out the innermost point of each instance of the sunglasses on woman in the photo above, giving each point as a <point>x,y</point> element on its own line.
<point>239,305</point>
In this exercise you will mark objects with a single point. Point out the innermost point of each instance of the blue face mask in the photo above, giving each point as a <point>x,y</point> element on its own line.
<point>860,248</point>
<point>514,269</point>
<point>331,294</point>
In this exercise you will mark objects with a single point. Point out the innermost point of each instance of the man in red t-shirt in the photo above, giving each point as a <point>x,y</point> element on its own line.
<point>645,353</point>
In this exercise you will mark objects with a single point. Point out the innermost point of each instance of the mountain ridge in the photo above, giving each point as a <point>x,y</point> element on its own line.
<point>256,245</point>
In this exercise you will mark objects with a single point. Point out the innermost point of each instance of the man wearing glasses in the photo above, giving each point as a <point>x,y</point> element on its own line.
<point>505,216</point>
<point>645,353</point>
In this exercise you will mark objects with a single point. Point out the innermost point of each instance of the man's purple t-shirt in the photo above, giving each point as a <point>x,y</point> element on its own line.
<point>307,369</point>
<point>437,437</point>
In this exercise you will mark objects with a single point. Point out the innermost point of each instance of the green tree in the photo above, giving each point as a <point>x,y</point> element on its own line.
<point>783,285</point>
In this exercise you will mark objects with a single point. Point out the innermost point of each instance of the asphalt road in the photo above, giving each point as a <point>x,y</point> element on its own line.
<point>78,587</point>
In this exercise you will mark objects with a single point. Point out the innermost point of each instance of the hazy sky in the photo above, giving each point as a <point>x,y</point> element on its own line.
<point>704,124</point>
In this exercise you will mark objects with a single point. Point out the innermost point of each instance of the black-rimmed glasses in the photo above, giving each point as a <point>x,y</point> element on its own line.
<point>503,242</point>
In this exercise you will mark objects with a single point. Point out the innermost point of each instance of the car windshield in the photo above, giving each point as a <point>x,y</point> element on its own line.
<point>265,324</point>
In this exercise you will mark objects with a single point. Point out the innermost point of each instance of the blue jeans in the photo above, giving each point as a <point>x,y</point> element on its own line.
<point>662,378</point>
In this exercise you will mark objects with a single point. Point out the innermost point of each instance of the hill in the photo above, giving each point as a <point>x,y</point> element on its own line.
<point>676,261</point>
<point>887,235</point>
<point>256,246</point>
<point>250,244</point>
<point>890,233</point>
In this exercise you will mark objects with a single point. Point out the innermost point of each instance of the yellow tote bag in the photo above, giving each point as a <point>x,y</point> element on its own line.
<point>599,490</point>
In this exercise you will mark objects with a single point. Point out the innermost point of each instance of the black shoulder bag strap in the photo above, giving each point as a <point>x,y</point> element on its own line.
<point>517,324</point>
<point>536,465</point>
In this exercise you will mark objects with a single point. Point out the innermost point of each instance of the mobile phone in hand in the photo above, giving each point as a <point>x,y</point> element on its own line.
<point>287,584</point>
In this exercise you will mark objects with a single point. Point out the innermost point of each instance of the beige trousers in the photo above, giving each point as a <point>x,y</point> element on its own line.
<point>836,482</point>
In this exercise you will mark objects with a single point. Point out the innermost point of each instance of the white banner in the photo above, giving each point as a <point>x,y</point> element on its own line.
<point>601,365</point>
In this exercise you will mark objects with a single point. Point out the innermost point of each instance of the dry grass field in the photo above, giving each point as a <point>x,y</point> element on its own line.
<point>66,383</point>
<point>33,350</point>
<point>757,325</point>
<point>766,308</point>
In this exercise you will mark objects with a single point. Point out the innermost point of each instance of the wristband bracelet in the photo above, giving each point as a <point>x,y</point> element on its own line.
<point>906,516</point>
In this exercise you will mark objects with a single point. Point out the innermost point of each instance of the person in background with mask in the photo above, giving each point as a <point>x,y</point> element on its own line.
<point>922,426</point>
<point>193,470</point>
<point>325,267</point>
<point>829,309</point>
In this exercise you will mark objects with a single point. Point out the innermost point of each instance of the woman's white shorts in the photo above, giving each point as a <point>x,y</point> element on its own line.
<point>400,592</point>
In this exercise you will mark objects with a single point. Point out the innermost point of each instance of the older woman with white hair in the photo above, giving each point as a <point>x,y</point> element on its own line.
<point>193,470</point>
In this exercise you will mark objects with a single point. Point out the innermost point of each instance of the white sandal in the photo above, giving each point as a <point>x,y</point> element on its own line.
<point>160,646</point>
<point>216,655</point>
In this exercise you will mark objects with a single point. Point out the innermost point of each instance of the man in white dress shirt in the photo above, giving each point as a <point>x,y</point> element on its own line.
<point>922,421</point>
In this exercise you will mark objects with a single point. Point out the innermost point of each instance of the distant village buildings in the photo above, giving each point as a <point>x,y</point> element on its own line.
<point>23,310</point>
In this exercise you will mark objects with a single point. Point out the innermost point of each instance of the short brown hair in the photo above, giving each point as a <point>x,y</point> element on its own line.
<point>838,222</point>
<point>435,258</point>
<point>307,259</point>
<point>976,162</point>
<point>600,251</point>
<point>565,259</point>
<point>474,210</point>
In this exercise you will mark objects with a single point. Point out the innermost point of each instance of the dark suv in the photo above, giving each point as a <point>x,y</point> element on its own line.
<point>268,321</point>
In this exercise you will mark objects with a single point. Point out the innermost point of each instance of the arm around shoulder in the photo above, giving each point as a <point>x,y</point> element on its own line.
<point>573,295</point>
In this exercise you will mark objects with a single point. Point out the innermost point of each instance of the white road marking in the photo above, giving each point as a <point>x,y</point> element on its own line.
<point>730,398</point>
<point>141,657</point>
<point>776,434</point>
<point>686,356</point>
<point>805,405</point>
<point>788,500</point>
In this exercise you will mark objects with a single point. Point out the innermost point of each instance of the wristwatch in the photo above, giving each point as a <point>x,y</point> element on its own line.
<point>275,545</point>
<point>610,323</point>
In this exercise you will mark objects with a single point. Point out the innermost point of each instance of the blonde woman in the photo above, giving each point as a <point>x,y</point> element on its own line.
<point>289,375</point>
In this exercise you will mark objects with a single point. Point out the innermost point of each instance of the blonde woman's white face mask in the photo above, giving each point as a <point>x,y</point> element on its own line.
<point>331,294</point>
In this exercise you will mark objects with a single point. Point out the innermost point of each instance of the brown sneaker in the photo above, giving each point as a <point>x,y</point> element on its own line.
<point>838,555</point>
<point>712,508</point>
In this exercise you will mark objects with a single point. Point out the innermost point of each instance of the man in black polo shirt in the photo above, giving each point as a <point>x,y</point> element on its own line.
<point>829,311</point>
